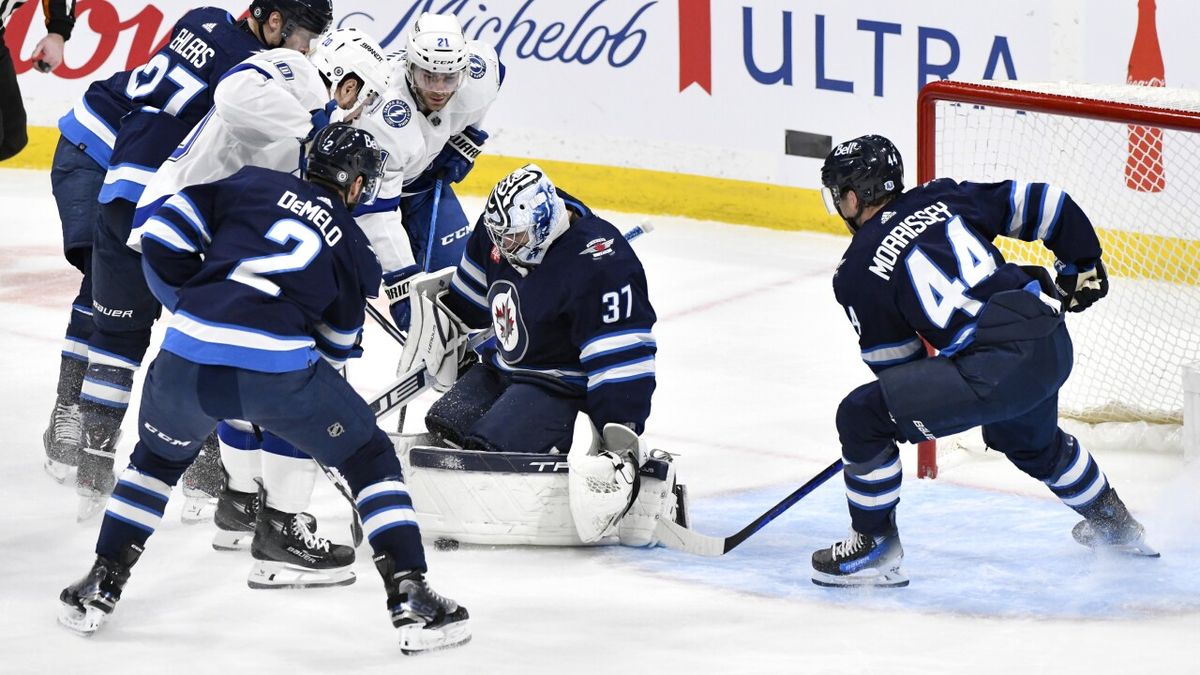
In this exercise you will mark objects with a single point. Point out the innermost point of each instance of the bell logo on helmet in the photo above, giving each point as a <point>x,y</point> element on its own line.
<point>845,149</point>
<point>396,113</point>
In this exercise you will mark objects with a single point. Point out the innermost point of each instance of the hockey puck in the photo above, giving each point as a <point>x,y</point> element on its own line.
<point>444,544</point>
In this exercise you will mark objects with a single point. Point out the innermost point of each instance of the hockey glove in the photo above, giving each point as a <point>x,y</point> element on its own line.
<point>1079,286</point>
<point>323,117</point>
<point>457,158</point>
<point>396,289</point>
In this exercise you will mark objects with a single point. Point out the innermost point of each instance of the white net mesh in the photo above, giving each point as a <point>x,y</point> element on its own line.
<point>1140,185</point>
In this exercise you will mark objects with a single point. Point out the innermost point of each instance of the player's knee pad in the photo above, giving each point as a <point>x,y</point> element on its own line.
<point>376,460</point>
<point>863,423</point>
<point>164,462</point>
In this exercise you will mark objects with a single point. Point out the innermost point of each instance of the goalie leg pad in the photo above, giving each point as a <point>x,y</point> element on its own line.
<point>660,497</point>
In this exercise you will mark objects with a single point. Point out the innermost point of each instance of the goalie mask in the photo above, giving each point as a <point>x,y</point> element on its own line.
<point>437,59</point>
<point>349,52</point>
<point>868,165</point>
<point>524,215</point>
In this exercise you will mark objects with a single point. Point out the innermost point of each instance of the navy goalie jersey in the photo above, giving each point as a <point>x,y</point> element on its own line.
<point>925,265</point>
<point>263,271</point>
<point>580,322</point>
<point>169,95</point>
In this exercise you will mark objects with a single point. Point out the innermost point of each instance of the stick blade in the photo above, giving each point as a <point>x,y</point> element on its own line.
<point>679,538</point>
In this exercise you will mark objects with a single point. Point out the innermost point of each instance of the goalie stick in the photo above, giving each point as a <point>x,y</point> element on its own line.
<point>679,538</point>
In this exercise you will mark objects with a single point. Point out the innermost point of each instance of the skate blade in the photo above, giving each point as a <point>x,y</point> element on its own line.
<point>58,470</point>
<point>83,623</point>
<point>232,540</point>
<point>880,579</point>
<point>198,509</point>
<point>419,639</point>
<point>267,574</point>
<point>1134,550</point>
<point>91,502</point>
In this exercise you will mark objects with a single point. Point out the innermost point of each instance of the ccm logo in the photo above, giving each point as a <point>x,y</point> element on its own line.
<point>453,236</point>
<point>162,436</point>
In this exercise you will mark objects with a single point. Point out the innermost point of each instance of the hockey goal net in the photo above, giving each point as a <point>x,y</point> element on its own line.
<point>1130,157</point>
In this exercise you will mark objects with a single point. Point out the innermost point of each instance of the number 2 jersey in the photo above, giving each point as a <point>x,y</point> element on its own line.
<point>925,265</point>
<point>579,323</point>
<point>167,96</point>
<point>262,271</point>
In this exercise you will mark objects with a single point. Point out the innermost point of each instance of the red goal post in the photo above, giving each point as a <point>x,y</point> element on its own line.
<point>1130,156</point>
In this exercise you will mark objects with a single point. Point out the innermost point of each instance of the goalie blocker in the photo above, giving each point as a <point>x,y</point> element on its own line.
<point>504,498</point>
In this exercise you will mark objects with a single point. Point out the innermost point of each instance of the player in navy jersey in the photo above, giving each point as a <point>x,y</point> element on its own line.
<point>265,272</point>
<point>921,265</point>
<point>166,97</point>
<point>566,295</point>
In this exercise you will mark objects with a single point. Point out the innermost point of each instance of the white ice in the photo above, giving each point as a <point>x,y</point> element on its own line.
<point>754,356</point>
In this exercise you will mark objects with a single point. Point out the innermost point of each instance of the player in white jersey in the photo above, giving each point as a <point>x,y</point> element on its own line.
<point>428,124</point>
<point>344,72</point>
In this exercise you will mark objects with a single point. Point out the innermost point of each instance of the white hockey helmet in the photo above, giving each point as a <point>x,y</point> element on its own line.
<point>524,215</point>
<point>349,51</point>
<point>437,55</point>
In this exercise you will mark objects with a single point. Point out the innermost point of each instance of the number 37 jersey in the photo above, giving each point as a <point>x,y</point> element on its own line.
<point>579,323</point>
<point>925,265</point>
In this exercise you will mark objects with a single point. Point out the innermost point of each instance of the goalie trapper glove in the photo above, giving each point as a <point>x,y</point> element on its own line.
<point>1081,284</point>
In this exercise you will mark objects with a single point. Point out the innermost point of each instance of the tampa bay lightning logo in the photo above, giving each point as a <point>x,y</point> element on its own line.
<point>477,67</point>
<point>396,113</point>
<point>508,322</point>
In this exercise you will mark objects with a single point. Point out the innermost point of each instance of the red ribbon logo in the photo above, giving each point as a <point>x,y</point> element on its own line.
<point>695,44</point>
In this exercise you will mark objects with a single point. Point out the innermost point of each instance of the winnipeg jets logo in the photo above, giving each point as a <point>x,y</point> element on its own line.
<point>598,248</point>
<point>506,319</point>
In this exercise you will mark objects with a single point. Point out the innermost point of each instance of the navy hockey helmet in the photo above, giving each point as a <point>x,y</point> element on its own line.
<point>870,166</point>
<point>341,153</point>
<point>310,16</point>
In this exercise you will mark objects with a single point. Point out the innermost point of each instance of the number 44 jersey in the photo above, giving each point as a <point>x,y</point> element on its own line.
<point>262,271</point>
<point>580,323</point>
<point>925,265</point>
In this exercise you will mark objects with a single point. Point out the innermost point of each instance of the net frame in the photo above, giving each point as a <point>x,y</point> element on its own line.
<point>1146,110</point>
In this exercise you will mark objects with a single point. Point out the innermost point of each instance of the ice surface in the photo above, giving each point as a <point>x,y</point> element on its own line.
<point>754,355</point>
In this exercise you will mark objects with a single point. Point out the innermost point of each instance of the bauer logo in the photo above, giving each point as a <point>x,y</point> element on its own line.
<point>396,113</point>
<point>478,68</point>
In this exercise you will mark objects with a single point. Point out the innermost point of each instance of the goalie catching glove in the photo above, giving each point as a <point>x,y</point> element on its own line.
<point>1080,285</point>
<point>603,482</point>
<point>436,337</point>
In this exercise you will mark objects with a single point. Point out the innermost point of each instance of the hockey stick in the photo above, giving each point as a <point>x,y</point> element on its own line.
<point>388,327</point>
<point>679,538</point>
<point>437,199</point>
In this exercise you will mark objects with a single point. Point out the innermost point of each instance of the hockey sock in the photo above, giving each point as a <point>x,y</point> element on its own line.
<point>133,512</point>
<point>383,502</point>
<point>1078,481</point>
<point>107,386</point>
<point>288,475</point>
<point>241,454</point>
<point>70,375</point>
<point>873,491</point>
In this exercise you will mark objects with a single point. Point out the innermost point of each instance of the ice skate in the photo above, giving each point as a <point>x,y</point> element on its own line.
<point>202,483</point>
<point>860,560</point>
<point>87,603</point>
<point>1109,527</point>
<point>289,554</point>
<point>425,620</point>
<point>95,479</point>
<point>61,440</point>
<point>234,517</point>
